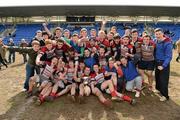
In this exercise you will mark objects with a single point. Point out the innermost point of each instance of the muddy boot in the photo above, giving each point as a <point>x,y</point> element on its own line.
<point>107,103</point>
<point>29,94</point>
<point>34,98</point>
<point>133,102</point>
<point>38,102</point>
<point>49,98</point>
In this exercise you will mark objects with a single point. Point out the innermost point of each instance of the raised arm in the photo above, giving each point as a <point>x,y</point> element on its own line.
<point>118,68</point>
<point>103,25</point>
<point>46,29</point>
<point>135,58</point>
<point>19,49</point>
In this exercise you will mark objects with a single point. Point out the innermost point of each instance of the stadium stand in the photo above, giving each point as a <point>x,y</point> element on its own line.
<point>27,31</point>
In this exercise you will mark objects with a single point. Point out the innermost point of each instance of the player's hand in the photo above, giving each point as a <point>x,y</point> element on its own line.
<point>5,46</point>
<point>106,54</point>
<point>76,63</point>
<point>115,64</point>
<point>127,54</point>
<point>65,81</point>
<point>44,24</point>
<point>93,83</point>
<point>61,77</point>
<point>76,54</point>
<point>118,62</point>
<point>111,43</point>
<point>84,39</point>
<point>132,43</point>
<point>104,22</point>
<point>39,63</point>
<point>160,67</point>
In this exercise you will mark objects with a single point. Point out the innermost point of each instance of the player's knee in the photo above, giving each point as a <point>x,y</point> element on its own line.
<point>49,84</point>
<point>69,87</point>
<point>73,85</point>
<point>128,88</point>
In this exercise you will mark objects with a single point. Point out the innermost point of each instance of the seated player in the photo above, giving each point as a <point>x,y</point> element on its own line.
<point>70,79</point>
<point>44,79</point>
<point>113,71</point>
<point>59,82</point>
<point>78,78</point>
<point>107,86</point>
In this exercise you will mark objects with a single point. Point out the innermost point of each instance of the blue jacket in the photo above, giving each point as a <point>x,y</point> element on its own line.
<point>107,68</point>
<point>130,72</point>
<point>164,51</point>
<point>89,61</point>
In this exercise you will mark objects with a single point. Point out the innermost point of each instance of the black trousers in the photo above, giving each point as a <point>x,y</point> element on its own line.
<point>2,61</point>
<point>11,54</point>
<point>178,57</point>
<point>24,57</point>
<point>162,79</point>
<point>120,84</point>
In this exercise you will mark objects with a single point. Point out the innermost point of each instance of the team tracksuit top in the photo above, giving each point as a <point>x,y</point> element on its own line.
<point>164,51</point>
<point>130,72</point>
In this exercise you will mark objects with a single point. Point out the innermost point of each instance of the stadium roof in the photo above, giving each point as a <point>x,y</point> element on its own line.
<point>89,7</point>
<point>88,10</point>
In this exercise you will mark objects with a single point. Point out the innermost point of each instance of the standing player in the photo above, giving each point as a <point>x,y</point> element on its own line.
<point>147,60</point>
<point>136,42</point>
<point>31,63</point>
<point>163,57</point>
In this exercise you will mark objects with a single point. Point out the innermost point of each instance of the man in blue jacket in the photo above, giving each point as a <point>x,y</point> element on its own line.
<point>163,56</point>
<point>131,75</point>
<point>89,60</point>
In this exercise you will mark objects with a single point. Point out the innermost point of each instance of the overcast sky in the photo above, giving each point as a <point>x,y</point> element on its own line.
<point>174,3</point>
